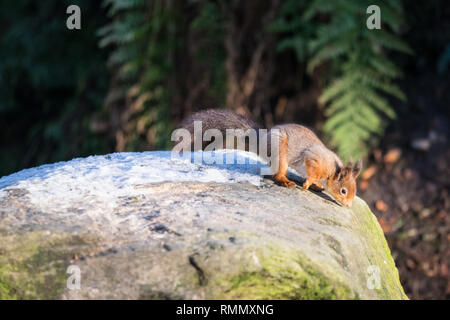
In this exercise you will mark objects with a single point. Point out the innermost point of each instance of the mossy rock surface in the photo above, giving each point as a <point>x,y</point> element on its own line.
<point>175,236</point>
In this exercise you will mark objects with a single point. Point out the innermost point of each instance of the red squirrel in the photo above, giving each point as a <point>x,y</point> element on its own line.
<point>299,148</point>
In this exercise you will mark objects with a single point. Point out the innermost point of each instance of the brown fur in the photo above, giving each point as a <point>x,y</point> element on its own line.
<point>280,176</point>
<point>299,149</point>
<point>217,119</point>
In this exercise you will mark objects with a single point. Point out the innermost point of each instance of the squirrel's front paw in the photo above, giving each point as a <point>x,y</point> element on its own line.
<point>283,181</point>
<point>315,186</point>
<point>288,184</point>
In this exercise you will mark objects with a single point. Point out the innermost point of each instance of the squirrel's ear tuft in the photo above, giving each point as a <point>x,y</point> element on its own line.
<point>350,162</point>
<point>357,168</point>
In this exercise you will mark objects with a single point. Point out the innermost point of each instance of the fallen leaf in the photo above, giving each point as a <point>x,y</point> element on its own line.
<point>410,263</point>
<point>369,172</point>
<point>441,215</point>
<point>385,226</point>
<point>444,270</point>
<point>408,174</point>
<point>363,185</point>
<point>392,155</point>
<point>381,206</point>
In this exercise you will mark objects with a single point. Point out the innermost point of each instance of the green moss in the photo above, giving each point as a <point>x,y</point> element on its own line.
<point>33,265</point>
<point>371,230</point>
<point>6,292</point>
<point>283,275</point>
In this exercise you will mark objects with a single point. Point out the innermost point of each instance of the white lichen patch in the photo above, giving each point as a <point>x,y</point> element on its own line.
<point>111,176</point>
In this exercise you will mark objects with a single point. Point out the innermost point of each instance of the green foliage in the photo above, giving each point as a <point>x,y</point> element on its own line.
<point>209,22</point>
<point>144,37</point>
<point>360,76</point>
<point>52,81</point>
<point>150,40</point>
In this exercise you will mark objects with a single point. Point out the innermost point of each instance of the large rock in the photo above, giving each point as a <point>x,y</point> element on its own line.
<point>143,225</point>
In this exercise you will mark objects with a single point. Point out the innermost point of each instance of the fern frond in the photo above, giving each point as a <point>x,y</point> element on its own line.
<point>337,88</point>
<point>142,37</point>
<point>384,66</point>
<point>331,51</point>
<point>388,41</point>
<point>355,98</point>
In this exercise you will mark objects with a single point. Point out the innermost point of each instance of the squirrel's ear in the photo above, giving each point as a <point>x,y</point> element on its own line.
<point>337,172</point>
<point>357,168</point>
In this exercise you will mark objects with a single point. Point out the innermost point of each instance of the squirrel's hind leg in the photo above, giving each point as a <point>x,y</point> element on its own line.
<point>280,176</point>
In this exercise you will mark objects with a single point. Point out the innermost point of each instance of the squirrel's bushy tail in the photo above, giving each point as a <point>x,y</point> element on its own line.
<point>218,119</point>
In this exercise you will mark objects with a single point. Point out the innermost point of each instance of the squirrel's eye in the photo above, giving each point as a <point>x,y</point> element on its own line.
<point>343,191</point>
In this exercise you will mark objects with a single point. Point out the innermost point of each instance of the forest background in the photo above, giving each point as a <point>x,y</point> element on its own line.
<point>138,67</point>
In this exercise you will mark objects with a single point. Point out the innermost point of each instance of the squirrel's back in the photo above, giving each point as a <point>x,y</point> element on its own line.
<point>218,119</point>
<point>303,143</point>
<point>301,138</point>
